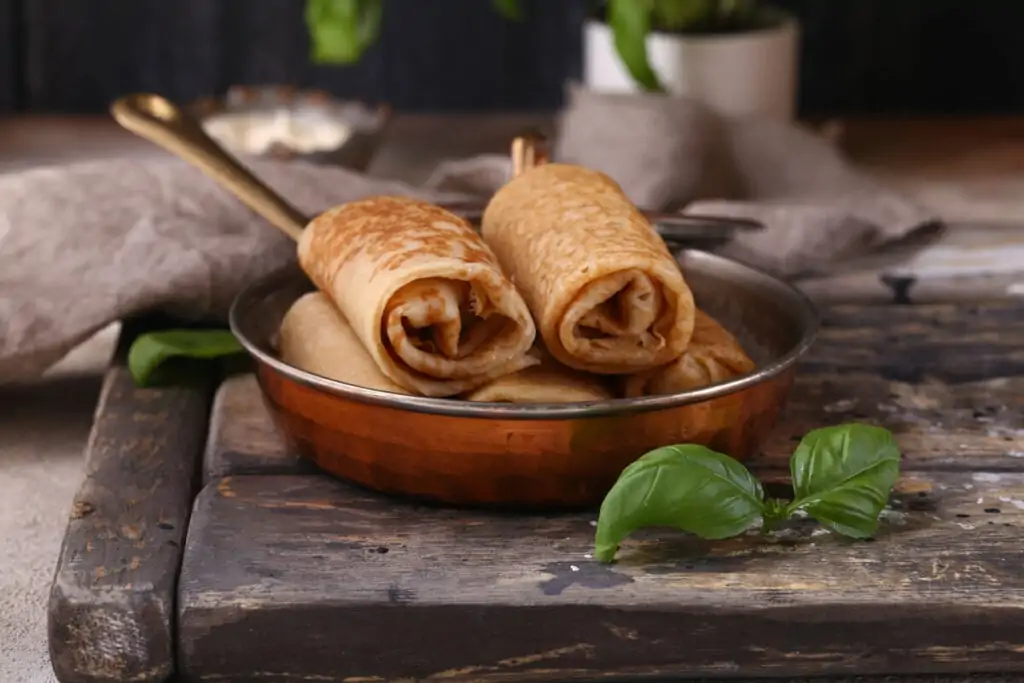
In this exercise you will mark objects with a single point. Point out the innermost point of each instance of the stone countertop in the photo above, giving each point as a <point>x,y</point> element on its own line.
<point>974,169</point>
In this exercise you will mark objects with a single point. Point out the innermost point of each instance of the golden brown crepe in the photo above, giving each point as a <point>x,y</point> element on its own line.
<point>549,382</point>
<point>422,291</point>
<point>713,356</point>
<point>606,294</point>
<point>315,337</point>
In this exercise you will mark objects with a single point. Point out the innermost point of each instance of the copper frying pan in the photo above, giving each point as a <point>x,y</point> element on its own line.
<point>537,456</point>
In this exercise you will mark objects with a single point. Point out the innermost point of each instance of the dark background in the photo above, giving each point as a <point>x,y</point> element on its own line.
<point>858,56</point>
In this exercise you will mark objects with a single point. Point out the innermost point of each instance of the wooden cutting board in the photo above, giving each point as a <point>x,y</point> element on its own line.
<point>200,544</point>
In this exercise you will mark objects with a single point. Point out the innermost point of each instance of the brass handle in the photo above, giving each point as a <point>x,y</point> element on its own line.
<point>162,122</point>
<point>527,151</point>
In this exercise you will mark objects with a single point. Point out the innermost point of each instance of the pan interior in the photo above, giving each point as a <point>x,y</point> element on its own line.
<point>773,321</point>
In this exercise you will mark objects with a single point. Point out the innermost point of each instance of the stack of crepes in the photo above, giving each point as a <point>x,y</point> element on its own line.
<point>411,300</point>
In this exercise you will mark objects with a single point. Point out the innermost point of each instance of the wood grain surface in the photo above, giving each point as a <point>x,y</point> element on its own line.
<point>112,601</point>
<point>244,440</point>
<point>304,578</point>
<point>275,563</point>
<point>947,379</point>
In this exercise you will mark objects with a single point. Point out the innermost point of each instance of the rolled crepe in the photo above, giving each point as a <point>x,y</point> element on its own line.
<point>422,292</point>
<point>606,294</point>
<point>549,382</point>
<point>713,356</point>
<point>315,338</point>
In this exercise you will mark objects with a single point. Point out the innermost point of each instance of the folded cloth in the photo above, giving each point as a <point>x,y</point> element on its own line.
<point>84,245</point>
<point>670,152</point>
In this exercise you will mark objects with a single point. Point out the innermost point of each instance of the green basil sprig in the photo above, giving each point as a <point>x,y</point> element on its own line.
<point>341,31</point>
<point>842,477</point>
<point>151,350</point>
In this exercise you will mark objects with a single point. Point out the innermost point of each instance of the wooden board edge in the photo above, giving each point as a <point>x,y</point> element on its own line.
<point>224,456</point>
<point>608,643</point>
<point>211,466</point>
<point>111,609</point>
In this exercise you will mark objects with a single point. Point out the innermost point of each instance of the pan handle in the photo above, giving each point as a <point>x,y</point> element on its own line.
<point>528,150</point>
<point>162,122</point>
<point>681,229</point>
<point>678,230</point>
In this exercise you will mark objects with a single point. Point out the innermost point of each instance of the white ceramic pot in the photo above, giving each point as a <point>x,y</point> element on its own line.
<point>752,73</point>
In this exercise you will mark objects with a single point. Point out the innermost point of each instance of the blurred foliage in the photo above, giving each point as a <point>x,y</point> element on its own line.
<point>632,20</point>
<point>342,30</point>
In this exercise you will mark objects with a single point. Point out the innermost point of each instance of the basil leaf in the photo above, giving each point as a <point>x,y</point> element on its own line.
<point>688,487</point>
<point>510,9</point>
<point>842,476</point>
<point>631,22</point>
<point>341,31</point>
<point>151,350</point>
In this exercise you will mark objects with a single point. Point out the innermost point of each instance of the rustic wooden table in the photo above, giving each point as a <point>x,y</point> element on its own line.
<point>275,572</point>
<point>199,544</point>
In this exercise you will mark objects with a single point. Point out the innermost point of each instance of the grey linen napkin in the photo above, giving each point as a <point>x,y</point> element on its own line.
<point>670,153</point>
<point>85,245</point>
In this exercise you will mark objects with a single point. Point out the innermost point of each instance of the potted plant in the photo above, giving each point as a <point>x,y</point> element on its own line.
<point>739,56</point>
